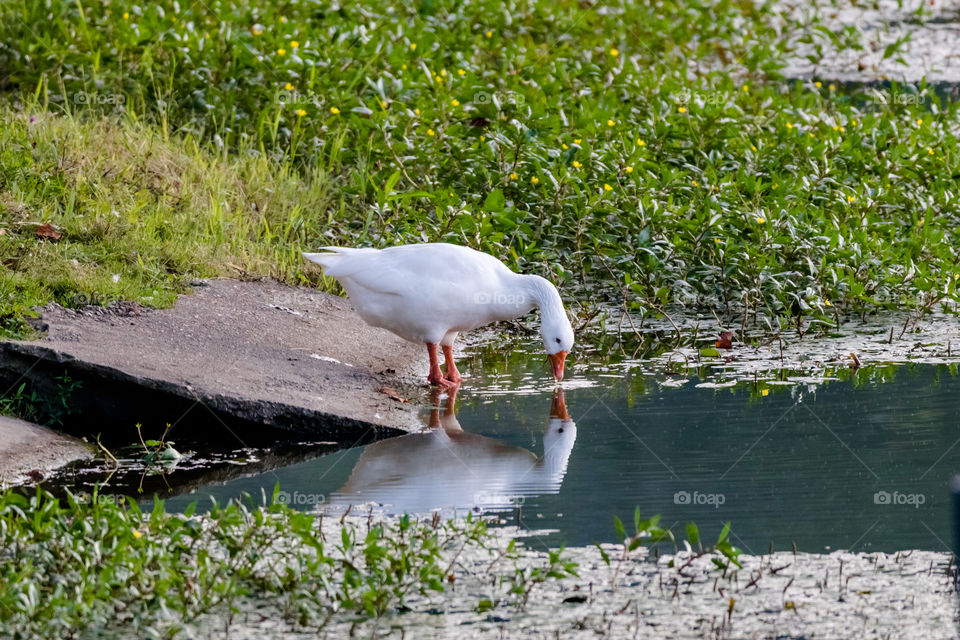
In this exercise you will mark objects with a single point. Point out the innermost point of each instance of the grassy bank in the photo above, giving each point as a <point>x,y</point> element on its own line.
<point>133,215</point>
<point>648,148</point>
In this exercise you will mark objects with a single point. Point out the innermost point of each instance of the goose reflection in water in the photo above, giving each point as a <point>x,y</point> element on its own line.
<point>445,467</point>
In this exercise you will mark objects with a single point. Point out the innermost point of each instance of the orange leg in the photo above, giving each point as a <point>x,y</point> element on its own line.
<point>452,374</point>
<point>436,375</point>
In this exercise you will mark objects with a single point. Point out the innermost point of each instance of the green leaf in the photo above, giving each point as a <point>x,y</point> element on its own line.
<point>494,202</point>
<point>618,527</point>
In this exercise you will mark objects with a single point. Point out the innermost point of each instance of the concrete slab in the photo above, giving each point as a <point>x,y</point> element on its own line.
<point>29,451</point>
<point>240,363</point>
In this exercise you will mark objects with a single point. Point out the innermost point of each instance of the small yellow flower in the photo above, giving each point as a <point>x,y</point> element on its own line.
<point>681,109</point>
<point>514,176</point>
<point>611,123</point>
<point>836,128</point>
<point>455,102</point>
<point>614,52</point>
<point>919,121</point>
<point>641,143</point>
<point>301,112</point>
<point>832,87</point>
<point>765,392</point>
<point>789,125</point>
<point>281,52</point>
<point>817,84</point>
<point>694,183</point>
<point>437,79</point>
<point>206,36</point>
<point>256,29</point>
<point>929,150</point>
<point>607,187</point>
<point>920,221</point>
<point>628,169</point>
<point>843,129</point>
<point>294,44</point>
<point>534,180</point>
<point>854,122</point>
<point>431,132</point>
<point>283,19</point>
<point>403,66</point>
<point>810,134</point>
<point>752,147</point>
<point>576,165</point>
<point>576,141</point>
<point>851,199</point>
<point>126,16</point>
<point>443,72</point>
<point>745,88</point>
<point>288,87</point>
<point>137,534</point>
<point>826,303</point>
<point>413,46</point>
<point>775,186</point>
<point>417,111</point>
<point>761,220</point>
<point>461,72</point>
<point>489,34</point>
<point>717,240</point>
<point>334,110</point>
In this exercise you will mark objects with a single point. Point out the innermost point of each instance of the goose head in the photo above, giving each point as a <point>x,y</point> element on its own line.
<point>555,327</point>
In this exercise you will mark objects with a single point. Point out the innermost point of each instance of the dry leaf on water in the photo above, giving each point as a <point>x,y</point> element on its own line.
<point>726,340</point>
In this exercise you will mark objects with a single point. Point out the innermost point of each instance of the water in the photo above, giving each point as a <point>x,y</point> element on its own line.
<point>861,463</point>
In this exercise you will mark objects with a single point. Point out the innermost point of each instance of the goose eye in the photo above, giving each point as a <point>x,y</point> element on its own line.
<point>558,340</point>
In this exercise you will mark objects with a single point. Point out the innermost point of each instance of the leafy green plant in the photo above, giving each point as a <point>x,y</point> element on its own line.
<point>649,532</point>
<point>32,406</point>
<point>94,565</point>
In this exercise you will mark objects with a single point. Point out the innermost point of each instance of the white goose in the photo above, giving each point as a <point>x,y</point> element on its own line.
<point>428,293</point>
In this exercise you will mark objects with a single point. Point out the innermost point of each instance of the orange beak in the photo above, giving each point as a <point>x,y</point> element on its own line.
<point>558,407</point>
<point>557,359</point>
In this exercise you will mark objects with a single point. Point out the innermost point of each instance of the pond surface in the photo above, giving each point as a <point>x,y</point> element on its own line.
<point>860,460</point>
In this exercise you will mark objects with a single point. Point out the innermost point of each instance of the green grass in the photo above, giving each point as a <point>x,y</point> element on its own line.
<point>648,149</point>
<point>140,215</point>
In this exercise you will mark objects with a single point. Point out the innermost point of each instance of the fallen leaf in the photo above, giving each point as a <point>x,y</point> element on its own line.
<point>726,340</point>
<point>393,395</point>
<point>45,230</point>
